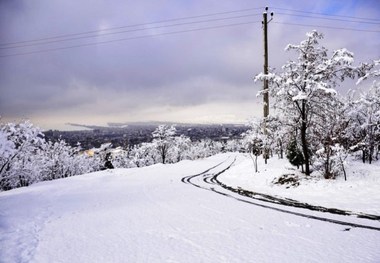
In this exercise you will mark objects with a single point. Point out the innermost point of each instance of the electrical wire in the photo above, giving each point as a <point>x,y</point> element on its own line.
<point>132,25</point>
<point>127,31</point>
<point>129,38</point>
<point>197,16</point>
<point>324,14</point>
<point>108,31</point>
<point>328,27</point>
<point>329,18</point>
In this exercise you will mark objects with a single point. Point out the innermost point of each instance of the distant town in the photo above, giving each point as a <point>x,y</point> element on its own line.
<point>136,133</point>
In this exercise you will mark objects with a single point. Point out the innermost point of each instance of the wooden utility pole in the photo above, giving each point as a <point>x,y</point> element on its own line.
<point>266,88</point>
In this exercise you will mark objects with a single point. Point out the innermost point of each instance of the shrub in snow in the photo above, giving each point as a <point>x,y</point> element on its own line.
<point>294,154</point>
<point>330,161</point>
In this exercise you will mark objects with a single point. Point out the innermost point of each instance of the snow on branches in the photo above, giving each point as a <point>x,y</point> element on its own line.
<point>26,158</point>
<point>305,94</point>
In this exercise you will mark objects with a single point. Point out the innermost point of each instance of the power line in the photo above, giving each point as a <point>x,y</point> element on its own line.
<point>132,25</point>
<point>329,18</point>
<point>83,35</point>
<point>127,31</point>
<point>127,39</point>
<point>324,14</point>
<point>184,18</point>
<point>178,32</point>
<point>328,27</point>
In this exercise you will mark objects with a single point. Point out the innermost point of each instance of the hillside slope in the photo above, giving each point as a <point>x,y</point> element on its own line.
<point>150,215</point>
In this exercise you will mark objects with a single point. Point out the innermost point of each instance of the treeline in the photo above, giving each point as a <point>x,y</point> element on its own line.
<point>26,157</point>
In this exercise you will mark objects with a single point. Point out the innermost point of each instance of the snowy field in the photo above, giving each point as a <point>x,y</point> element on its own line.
<point>157,214</point>
<point>360,193</point>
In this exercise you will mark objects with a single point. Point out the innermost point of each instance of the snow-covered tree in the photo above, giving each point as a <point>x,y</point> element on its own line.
<point>142,155</point>
<point>306,87</point>
<point>254,141</point>
<point>329,130</point>
<point>277,134</point>
<point>61,160</point>
<point>26,158</point>
<point>180,149</point>
<point>121,158</point>
<point>58,155</point>
<point>163,139</point>
<point>364,116</point>
<point>233,145</point>
<point>198,149</point>
<point>20,145</point>
<point>204,148</point>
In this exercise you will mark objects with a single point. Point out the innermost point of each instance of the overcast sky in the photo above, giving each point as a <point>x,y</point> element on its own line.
<point>170,71</point>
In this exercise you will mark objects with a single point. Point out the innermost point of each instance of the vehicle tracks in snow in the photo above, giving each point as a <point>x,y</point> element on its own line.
<point>208,180</point>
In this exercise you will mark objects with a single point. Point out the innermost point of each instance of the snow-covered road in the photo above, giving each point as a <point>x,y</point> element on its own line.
<point>151,215</point>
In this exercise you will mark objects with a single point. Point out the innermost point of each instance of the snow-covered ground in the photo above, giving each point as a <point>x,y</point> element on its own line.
<point>150,215</point>
<point>360,193</point>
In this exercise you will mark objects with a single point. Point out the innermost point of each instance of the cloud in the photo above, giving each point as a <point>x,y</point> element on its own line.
<point>167,77</point>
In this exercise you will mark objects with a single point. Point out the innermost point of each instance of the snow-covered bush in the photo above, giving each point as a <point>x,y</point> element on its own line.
<point>330,161</point>
<point>294,154</point>
<point>61,160</point>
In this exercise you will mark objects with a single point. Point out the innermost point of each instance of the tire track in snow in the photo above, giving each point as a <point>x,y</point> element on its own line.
<point>208,180</point>
<point>187,179</point>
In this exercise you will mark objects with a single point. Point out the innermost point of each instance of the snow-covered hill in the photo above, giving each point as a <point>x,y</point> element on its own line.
<point>152,215</point>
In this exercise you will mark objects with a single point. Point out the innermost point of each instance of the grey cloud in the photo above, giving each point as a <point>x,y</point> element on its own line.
<point>139,77</point>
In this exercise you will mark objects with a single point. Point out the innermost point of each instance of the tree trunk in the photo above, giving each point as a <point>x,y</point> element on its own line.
<point>305,148</point>
<point>327,174</point>
<point>265,155</point>
<point>163,153</point>
<point>363,156</point>
<point>344,170</point>
<point>256,168</point>
<point>371,149</point>
<point>163,157</point>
